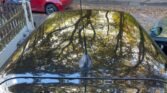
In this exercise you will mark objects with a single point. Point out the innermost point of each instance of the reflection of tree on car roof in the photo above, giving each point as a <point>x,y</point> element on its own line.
<point>55,57</point>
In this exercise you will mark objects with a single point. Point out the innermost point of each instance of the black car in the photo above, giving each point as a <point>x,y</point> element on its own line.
<point>96,51</point>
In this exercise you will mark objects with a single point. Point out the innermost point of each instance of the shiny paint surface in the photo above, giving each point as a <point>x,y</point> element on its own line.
<point>39,5</point>
<point>113,43</point>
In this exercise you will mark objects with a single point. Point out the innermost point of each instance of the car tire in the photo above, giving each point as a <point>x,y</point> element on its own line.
<point>50,8</point>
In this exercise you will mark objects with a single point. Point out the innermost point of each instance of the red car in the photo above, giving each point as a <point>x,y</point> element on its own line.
<point>2,1</point>
<point>49,6</point>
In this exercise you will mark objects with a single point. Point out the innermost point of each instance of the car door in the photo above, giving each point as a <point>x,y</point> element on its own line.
<point>36,4</point>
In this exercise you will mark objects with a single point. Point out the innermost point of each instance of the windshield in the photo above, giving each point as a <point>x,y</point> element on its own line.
<point>97,51</point>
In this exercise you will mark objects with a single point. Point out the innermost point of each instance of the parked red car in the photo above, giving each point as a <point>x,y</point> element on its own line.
<point>2,1</point>
<point>49,6</point>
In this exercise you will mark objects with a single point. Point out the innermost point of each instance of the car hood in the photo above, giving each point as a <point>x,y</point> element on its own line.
<point>96,50</point>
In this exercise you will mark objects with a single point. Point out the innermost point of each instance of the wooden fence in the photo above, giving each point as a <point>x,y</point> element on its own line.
<point>12,20</point>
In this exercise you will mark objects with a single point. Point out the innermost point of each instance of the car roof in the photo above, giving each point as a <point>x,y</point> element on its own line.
<point>94,43</point>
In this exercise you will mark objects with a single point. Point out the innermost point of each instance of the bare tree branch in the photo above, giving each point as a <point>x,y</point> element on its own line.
<point>108,22</point>
<point>120,34</point>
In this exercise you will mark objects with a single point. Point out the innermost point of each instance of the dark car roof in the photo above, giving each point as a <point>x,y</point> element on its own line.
<point>95,47</point>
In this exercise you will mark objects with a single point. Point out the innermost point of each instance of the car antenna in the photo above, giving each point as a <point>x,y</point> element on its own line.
<point>85,61</point>
<point>81,7</point>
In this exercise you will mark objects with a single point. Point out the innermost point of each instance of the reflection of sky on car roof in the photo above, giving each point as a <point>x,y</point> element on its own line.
<point>45,81</point>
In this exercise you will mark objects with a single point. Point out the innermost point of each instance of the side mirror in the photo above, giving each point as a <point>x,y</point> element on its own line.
<point>156,31</point>
<point>166,67</point>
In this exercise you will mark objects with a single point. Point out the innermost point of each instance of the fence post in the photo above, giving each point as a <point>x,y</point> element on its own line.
<point>28,15</point>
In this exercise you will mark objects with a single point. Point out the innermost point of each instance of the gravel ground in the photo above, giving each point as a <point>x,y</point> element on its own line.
<point>39,18</point>
<point>147,16</point>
